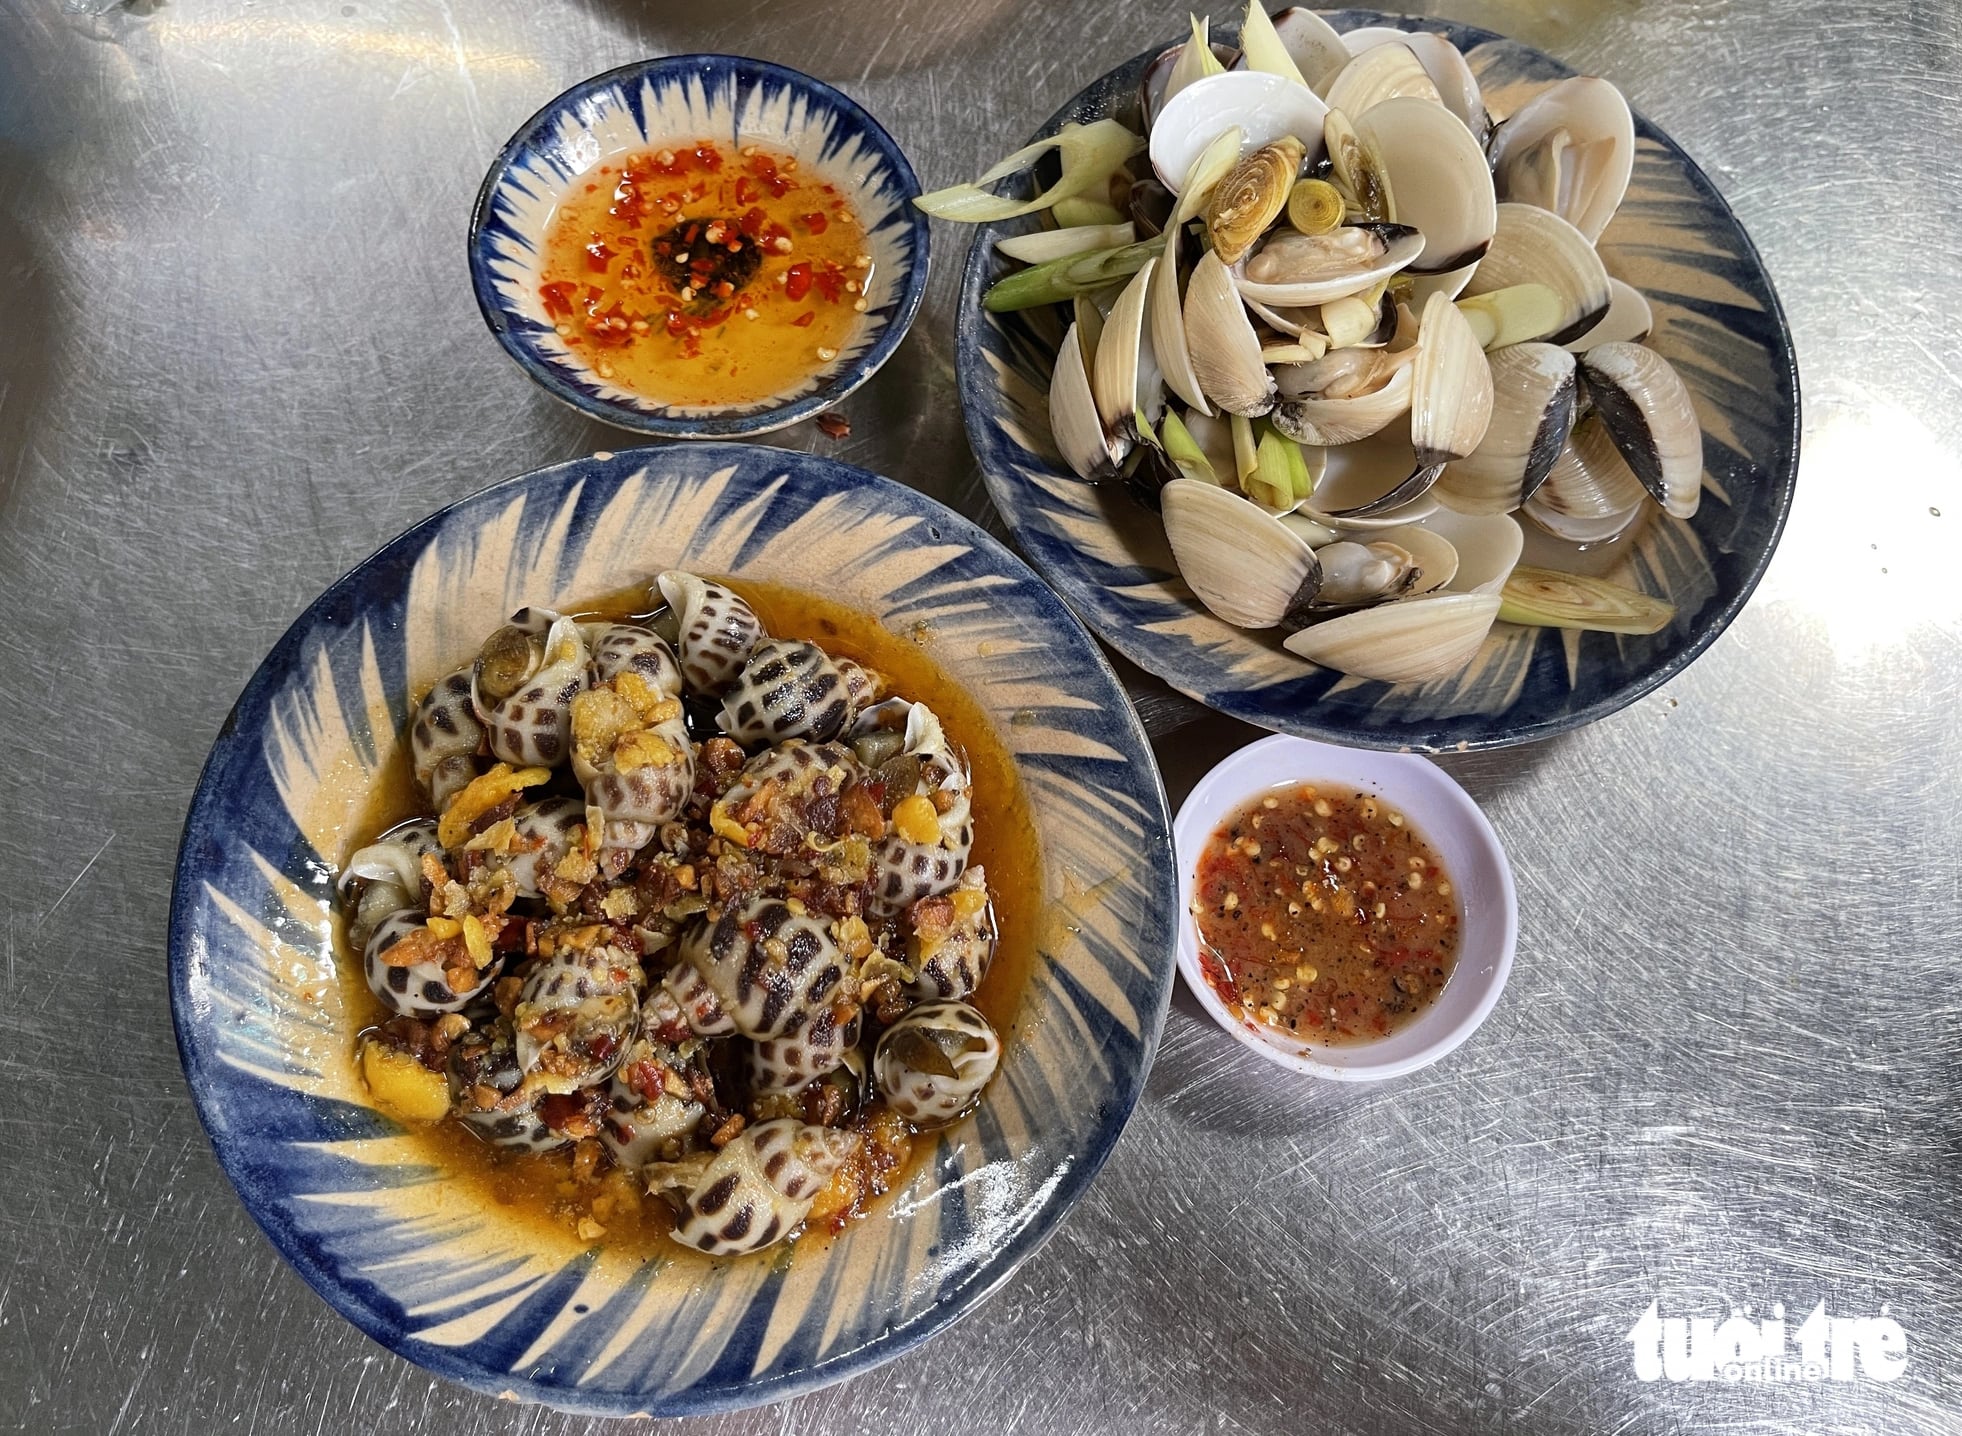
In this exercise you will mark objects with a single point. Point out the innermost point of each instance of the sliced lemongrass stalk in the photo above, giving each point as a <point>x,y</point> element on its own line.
<point>1302,473</point>
<point>1547,598</point>
<point>1091,153</point>
<point>1246,454</point>
<point>1514,315</point>
<point>1066,278</point>
<point>1271,484</point>
<point>1349,321</point>
<point>1315,206</point>
<point>1078,210</point>
<point>1263,50</point>
<point>1304,349</point>
<point>1196,60</point>
<point>1045,245</point>
<point>1183,450</point>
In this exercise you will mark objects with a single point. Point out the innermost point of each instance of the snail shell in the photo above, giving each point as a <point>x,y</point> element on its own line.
<point>796,776</point>
<point>523,684</point>
<point>419,989</point>
<point>905,870</point>
<point>484,1064</point>
<point>627,647</point>
<point>932,1063</point>
<point>788,689</point>
<point>544,835</point>
<point>647,1118</point>
<point>384,877</point>
<point>952,939</point>
<point>716,629</point>
<point>775,973</point>
<point>756,1190</point>
<point>634,759</point>
<point>598,989</point>
<point>446,739</point>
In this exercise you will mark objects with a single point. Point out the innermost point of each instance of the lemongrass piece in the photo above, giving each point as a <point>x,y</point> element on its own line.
<point>1514,315</point>
<point>1547,598</point>
<point>1077,210</point>
<point>1262,49</point>
<point>1047,244</point>
<point>1349,321</point>
<point>1315,206</point>
<point>1183,450</point>
<point>1066,278</point>
<point>1301,474</point>
<point>1195,62</point>
<point>1091,154</point>
<point>1271,484</point>
<point>1245,452</point>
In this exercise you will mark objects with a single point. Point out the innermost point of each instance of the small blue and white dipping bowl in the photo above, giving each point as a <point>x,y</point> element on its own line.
<point>685,98</point>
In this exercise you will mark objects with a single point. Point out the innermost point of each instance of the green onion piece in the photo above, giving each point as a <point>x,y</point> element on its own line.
<point>1264,51</point>
<point>1062,279</point>
<point>1302,480</point>
<point>1080,209</point>
<point>1547,598</point>
<point>1183,450</point>
<point>1091,153</point>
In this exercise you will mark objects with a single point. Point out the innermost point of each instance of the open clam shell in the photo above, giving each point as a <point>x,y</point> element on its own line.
<point>1245,565</point>
<point>1310,418</point>
<point>1570,149</point>
<point>1629,319</point>
<point>1536,246</point>
<point>1487,546</point>
<point>1294,270</point>
<point>1351,494</point>
<point>1591,494</point>
<point>1414,640</point>
<point>1265,108</point>
<point>1091,451</point>
<point>1121,362</point>
<point>1382,72</point>
<point>1533,395</point>
<point>1438,178</point>
<point>1221,343</point>
<point>1444,62</point>
<point>1451,389</point>
<point>1313,44</point>
<point>1648,413</point>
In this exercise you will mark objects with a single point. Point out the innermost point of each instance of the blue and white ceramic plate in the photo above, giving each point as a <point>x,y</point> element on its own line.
<point>268,1048</point>
<point>1717,321</point>
<point>693,97</point>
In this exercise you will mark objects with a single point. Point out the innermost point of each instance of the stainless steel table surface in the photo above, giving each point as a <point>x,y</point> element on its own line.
<point>238,351</point>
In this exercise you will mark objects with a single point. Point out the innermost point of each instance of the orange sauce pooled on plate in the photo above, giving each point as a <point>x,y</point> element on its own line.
<point>705,274</point>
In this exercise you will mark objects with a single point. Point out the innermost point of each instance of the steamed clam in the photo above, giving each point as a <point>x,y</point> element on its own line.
<point>1381,316</point>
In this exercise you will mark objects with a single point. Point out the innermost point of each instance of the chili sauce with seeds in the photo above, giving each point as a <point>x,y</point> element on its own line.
<point>704,273</point>
<point>1324,915</point>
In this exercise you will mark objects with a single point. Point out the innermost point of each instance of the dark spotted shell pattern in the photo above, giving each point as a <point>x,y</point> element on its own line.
<point>488,1059</point>
<point>759,1188</point>
<point>622,647</point>
<point>523,685</point>
<point>952,1034</point>
<point>956,966</point>
<point>384,878</point>
<point>549,823</point>
<point>788,689</point>
<point>700,1005</point>
<point>783,1064</point>
<point>599,987</point>
<point>446,740</point>
<point>635,802</point>
<point>716,629</point>
<point>801,772</point>
<point>637,1131</point>
<point>419,990</point>
<point>777,973</point>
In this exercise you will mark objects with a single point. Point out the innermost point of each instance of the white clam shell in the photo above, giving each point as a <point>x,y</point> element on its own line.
<point>1313,44</point>
<point>1629,319</point>
<point>1570,149</point>
<point>1591,495</point>
<point>1244,564</point>
<point>1487,545</point>
<point>1265,107</point>
<point>1413,640</point>
<point>1381,73</point>
<point>1536,246</point>
<point>1439,179</point>
<point>1457,87</point>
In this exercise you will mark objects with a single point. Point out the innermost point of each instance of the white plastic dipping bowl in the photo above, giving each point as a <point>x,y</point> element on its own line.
<point>1456,830</point>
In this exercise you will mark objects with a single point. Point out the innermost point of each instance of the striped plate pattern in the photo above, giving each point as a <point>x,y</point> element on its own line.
<point>267,1047</point>
<point>1717,320</point>
<point>669,101</point>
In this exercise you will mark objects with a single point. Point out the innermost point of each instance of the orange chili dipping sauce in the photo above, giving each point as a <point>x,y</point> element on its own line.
<point>705,274</point>
<point>1324,915</point>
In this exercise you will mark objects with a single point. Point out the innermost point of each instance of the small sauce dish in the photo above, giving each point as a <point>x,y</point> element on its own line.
<point>1447,819</point>
<point>710,138</point>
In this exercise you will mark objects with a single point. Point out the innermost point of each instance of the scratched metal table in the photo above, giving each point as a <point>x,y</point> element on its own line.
<point>240,351</point>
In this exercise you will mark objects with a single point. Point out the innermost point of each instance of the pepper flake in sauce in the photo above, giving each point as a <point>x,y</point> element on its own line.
<point>1324,915</point>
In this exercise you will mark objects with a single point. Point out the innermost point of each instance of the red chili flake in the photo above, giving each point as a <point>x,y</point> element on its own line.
<point>597,255</point>
<point>834,426</point>
<point>815,221</point>
<point>831,283</point>
<point>724,289</point>
<point>676,323</point>
<point>558,298</point>
<point>797,282</point>
<point>803,320</point>
<point>708,157</point>
<point>745,191</point>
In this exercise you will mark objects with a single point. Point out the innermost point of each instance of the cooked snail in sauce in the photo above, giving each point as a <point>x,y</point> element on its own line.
<point>694,908</point>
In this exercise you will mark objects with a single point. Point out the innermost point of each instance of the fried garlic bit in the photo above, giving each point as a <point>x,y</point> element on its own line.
<point>482,794</point>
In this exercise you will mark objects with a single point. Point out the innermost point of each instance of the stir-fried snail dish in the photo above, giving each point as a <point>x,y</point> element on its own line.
<point>1354,341</point>
<point>691,907</point>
